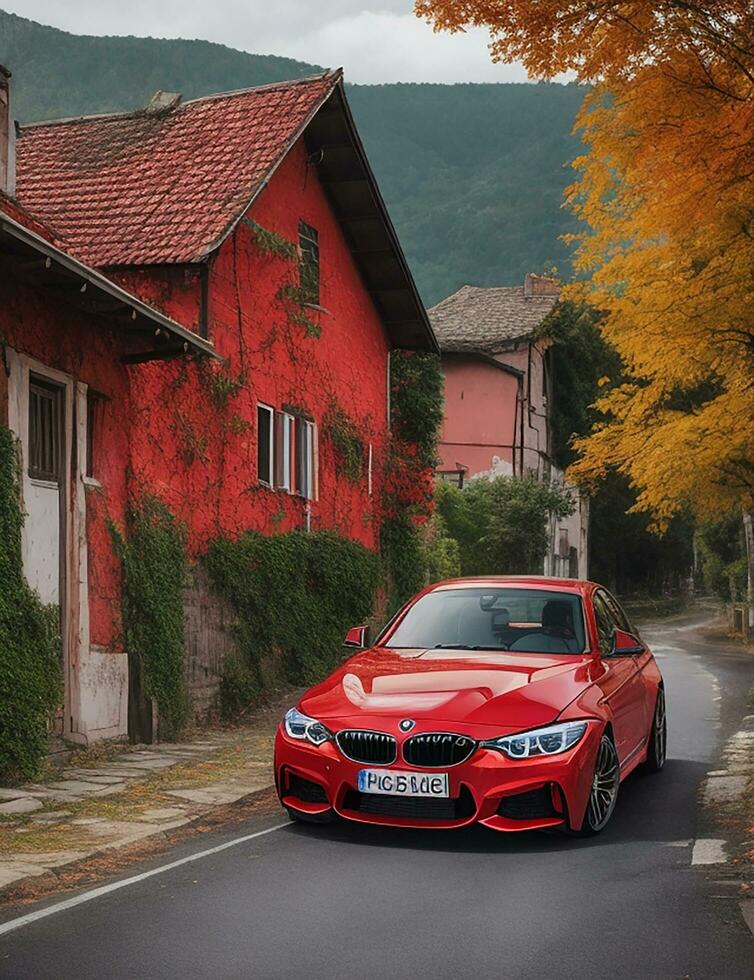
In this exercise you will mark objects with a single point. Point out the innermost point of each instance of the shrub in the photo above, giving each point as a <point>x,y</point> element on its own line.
<point>501,525</point>
<point>295,595</point>
<point>441,553</point>
<point>31,682</point>
<point>153,564</point>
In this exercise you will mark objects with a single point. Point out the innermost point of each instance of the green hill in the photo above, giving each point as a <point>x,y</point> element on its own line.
<point>472,174</point>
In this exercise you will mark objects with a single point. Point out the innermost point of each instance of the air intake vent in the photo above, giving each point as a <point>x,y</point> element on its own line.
<point>363,746</point>
<point>435,750</point>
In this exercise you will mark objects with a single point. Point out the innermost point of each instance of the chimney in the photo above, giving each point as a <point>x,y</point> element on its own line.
<point>164,101</point>
<point>535,285</point>
<point>7,137</point>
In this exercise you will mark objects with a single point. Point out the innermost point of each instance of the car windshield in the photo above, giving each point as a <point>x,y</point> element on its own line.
<point>520,620</point>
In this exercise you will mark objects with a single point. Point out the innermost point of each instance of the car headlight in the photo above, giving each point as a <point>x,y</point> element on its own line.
<point>302,727</point>
<point>540,741</point>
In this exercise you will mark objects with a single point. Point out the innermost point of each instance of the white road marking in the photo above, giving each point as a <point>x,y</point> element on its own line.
<point>90,896</point>
<point>707,850</point>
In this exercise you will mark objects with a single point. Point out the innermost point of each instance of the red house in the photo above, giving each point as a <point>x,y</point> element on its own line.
<point>264,288</point>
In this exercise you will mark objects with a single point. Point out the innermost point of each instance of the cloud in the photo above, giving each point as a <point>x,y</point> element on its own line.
<point>378,41</point>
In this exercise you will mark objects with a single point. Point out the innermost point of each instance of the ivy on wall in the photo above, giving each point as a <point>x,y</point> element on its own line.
<point>295,595</point>
<point>31,681</point>
<point>342,432</point>
<point>416,413</point>
<point>153,565</point>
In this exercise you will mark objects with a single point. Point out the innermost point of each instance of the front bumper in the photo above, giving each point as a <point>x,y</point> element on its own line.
<point>489,788</point>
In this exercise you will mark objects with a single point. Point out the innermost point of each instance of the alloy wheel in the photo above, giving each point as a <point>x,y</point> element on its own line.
<point>604,785</point>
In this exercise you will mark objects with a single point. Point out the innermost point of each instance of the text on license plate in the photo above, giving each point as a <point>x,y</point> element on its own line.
<point>392,782</point>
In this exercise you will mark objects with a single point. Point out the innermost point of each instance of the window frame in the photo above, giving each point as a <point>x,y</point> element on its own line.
<point>285,425</point>
<point>264,407</point>
<point>55,394</point>
<point>310,280</point>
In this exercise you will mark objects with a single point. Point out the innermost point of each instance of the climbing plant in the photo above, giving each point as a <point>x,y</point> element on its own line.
<point>31,684</point>
<point>416,412</point>
<point>294,594</point>
<point>342,432</point>
<point>152,553</point>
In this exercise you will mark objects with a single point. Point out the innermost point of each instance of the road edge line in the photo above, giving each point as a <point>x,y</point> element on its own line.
<point>23,920</point>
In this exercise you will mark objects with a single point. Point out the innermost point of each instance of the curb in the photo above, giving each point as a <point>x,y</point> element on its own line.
<point>164,831</point>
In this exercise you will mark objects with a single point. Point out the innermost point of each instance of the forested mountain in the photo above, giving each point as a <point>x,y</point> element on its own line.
<point>472,174</point>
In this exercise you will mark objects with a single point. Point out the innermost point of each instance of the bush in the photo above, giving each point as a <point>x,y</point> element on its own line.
<point>440,552</point>
<point>295,595</point>
<point>31,680</point>
<point>501,525</point>
<point>153,565</point>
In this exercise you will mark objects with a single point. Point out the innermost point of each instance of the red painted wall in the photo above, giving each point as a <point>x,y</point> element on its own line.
<point>39,323</point>
<point>481,413</point>
<point>201,458</point>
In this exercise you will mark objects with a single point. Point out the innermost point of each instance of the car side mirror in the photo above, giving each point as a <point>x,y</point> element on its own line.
<point>358,637</point>
<point>625,644</point>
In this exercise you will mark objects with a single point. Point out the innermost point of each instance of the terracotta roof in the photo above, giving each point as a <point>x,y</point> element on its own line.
<point>10,207</point>
<point>163,184</point>
<point>488,320</point>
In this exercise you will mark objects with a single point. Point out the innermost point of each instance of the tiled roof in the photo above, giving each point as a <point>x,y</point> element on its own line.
<point>161,184</point>
<point>9,206</point>
<point>486,320</point>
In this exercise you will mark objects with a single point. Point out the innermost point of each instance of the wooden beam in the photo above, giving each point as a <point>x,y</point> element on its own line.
<point>166,353</point>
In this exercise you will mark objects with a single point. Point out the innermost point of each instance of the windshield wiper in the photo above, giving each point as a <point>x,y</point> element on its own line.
<point>465,646</point>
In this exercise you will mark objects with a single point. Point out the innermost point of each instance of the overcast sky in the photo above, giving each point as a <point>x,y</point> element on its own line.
<point>374,40</point>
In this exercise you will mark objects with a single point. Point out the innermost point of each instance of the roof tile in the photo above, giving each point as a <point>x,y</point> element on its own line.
<point>160,186</point>
<point>486,320</point>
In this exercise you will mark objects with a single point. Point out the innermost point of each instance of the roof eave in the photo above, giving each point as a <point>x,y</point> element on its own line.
<point>92,282</point>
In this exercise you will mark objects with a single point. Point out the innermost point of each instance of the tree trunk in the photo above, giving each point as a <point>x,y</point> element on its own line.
<point>749,541</point>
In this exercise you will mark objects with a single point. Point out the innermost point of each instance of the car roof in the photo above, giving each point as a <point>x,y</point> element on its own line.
<point>549,583</point>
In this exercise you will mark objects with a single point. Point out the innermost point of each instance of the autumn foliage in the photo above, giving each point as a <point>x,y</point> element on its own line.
<point>666,192</point>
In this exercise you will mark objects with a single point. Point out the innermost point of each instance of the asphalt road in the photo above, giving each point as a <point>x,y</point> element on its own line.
<point>360,903</point>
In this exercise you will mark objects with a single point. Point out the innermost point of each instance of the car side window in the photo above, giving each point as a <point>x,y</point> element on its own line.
<point>605,623</point>
<point>616,611</point>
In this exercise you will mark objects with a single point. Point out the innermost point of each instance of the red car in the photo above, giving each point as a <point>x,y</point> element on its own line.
<point>517,703</point>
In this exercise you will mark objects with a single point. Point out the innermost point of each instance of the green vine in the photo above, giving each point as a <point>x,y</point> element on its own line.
<point>341,430</point>
<point>293,298</point>
<point>153,565</point>
<point>416,413</point>
<point>220,384</point>
<point>31,680</point>
<point>416,402</point>
<point>271,243</point>
<point>295,595</point>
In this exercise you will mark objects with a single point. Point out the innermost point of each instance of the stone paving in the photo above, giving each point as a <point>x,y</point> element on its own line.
<point>94,805</point>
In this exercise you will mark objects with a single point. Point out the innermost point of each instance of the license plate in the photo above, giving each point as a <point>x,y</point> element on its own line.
<point>392,782</point>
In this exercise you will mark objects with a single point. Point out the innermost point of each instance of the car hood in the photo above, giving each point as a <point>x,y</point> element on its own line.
<point>505,690</point>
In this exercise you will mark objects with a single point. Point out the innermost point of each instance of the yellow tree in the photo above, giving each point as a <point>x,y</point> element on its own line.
<point>666,193</point>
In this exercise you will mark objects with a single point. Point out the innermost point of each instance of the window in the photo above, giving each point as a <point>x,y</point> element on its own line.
<point>306,459</point>
<point>284,441</point>
<point>265,444</point>
<point>308,243</point>
<point>45,430</point>
<point>617,612</point>
<point>451,476</point>
<point>605,623</point>
<point>95,404</point>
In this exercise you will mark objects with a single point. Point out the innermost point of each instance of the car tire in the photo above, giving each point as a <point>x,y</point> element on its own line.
<point>658,736</point>
<point>298,817</point>
<point>604,792</point>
